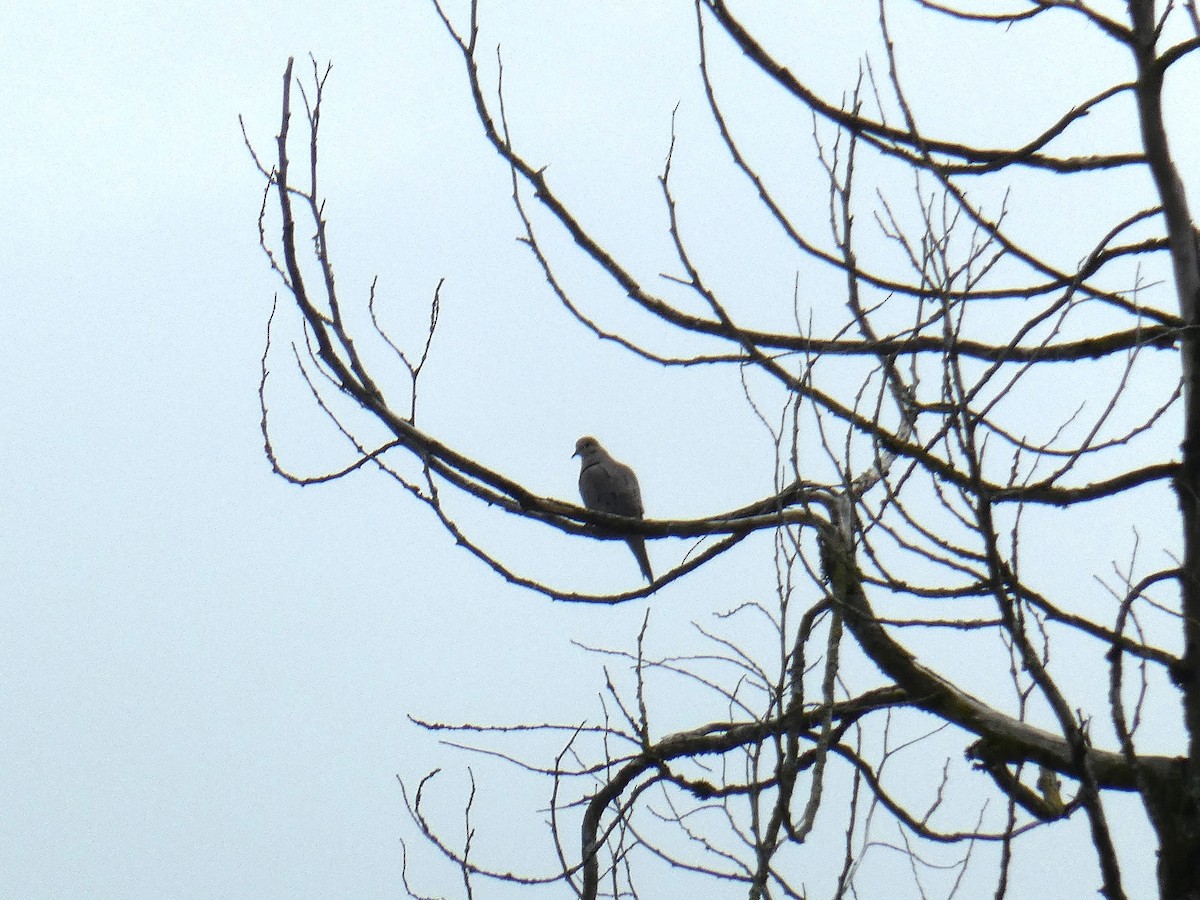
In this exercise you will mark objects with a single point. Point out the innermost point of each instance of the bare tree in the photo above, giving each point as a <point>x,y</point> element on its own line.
<point>954,479</point>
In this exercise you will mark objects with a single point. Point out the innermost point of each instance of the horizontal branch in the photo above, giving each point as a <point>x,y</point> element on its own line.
<point>889,140</point>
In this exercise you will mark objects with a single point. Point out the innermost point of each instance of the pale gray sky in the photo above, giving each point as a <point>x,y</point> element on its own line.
<point>205,672</point>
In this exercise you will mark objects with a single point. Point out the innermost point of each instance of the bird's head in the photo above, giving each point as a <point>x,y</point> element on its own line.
<point>586,447</point>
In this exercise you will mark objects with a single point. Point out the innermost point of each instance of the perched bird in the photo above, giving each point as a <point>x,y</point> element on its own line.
<point>609,486</point>
<point>1051,788</point>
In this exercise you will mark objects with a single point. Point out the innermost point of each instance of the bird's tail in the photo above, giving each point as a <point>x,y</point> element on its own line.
<point>638,546</point>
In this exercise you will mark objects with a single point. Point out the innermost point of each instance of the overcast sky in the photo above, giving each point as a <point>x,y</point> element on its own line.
<point>205,672</point>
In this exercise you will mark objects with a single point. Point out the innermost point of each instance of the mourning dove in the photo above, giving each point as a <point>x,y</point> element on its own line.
<point>609,486</point>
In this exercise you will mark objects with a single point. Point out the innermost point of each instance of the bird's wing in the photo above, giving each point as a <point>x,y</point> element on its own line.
<point>627,493</point>
<point>609,486</point>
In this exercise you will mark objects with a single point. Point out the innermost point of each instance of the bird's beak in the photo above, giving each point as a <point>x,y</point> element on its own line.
<point>576,453</point>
